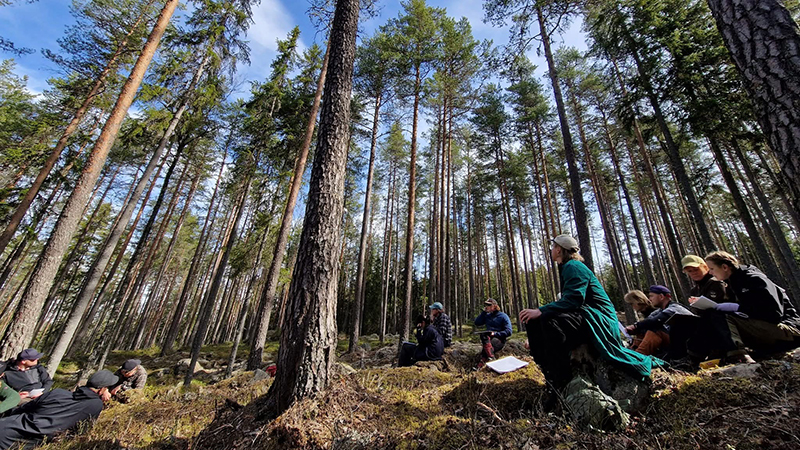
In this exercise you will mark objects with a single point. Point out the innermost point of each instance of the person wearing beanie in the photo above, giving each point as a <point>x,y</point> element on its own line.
<point>583,314</point>
<point>25,375</point>
<point>498,329</point>
<point>131,376</point>
<point>442,322</point>
<point>56,411</point>
<point>654,329</point>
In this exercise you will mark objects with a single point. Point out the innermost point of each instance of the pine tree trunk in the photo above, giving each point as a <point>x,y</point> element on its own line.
<point>764,42</point>
<point>268,294</point>
<point>19,333</point>
<point>308,340</point>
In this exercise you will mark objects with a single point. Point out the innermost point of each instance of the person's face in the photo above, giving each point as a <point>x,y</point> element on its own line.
<point>30,362</point>
<point>722,272</point>
<point>555,252</point>
<point>638,307</point>
<point>696,273</point>
<point>129,373</point>
<point>488,308</point>
<point>657,299</point>
<point>435,313</point>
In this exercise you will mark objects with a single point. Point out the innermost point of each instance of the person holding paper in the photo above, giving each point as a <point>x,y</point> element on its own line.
<point>703,283</point>
<point>654,329</point>
<point>25,375</point>
<point>56,411</point>
<point>498,327</point>
<point>583,314</point>
<point>762,317</point>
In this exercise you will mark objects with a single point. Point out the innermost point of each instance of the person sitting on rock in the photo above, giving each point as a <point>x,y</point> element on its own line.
<point>442,323</point>
<point>763,316</point>
<point>131,376</point>
<point>429,347</point>
<point>25,375</point>
<point>56,411</point>
<point>583,315</point>
<point>654,329</point>
<point>498,329</point>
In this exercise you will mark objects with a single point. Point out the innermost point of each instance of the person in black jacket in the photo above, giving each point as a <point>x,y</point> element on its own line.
<point>763,316</point>
<point>56,411</point>
<point>26,376</point>
<point>429,347</point>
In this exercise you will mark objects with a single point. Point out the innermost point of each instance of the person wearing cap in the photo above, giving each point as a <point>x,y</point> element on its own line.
<point>703,283</point>
<point>763,317</point>
<point>131,376</point>
<point>25,375</point>
<point>498,329</point>
<point>654,330</point>
<point>429,347</point>
<point>442,323</point>
<point>583,314</point>
<point>56,411</point>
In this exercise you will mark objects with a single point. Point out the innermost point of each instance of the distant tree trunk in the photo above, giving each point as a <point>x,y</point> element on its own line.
<point>581,217</point>
<point>268,294</point>
<point>50,162</point>
<point>388,241</point>
<point>308,341</point>
<point>764,42</point>
<point>19,333</point>
<point>358,301</point>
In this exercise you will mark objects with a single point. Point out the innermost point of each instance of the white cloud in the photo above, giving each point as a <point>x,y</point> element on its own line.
<point>271,21</point>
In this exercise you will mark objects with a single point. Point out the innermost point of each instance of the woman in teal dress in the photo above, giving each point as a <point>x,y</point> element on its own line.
<point>583,314</point>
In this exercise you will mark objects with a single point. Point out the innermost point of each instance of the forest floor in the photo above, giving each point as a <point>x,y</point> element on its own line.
<point>371,405</point>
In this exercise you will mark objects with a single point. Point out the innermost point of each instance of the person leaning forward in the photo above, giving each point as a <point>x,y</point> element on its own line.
<point>703,283</point>
<point>655,331</point>
<point>498,329</point>
<point>583,314</point>
<point>429,347</point>
<point>56,411</point>
<point>131,376</point>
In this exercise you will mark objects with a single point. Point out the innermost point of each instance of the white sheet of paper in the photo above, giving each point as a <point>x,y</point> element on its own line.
<point>36,392</point>
<point>507,364</point>
<point>704,302</point>
<point>624,331</point>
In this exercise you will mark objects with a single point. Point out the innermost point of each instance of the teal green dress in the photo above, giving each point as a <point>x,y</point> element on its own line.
<point>581,291</point>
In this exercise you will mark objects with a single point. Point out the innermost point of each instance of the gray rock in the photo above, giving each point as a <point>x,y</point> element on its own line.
<point>183,366</point>
<point>386,353</point>
<point>366,346</point>
<point>343,369</point>
<point>737,371</point>
<point>258,375</point>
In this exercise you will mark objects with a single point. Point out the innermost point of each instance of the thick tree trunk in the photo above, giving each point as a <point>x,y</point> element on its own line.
<point>308,340</point>
<point>764,42</point>
<point>18,335</point>
<point>268,294</point>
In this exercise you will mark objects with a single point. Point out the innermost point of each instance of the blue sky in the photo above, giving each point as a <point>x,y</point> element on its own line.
<point>38,25</point>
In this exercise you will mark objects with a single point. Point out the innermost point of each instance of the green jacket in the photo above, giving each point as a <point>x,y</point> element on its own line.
<point>581,291</point>
<point>9,398</point>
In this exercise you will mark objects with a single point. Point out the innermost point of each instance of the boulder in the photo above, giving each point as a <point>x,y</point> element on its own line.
<point>366,346</point>
<point>386,354</point>
<point>462,355</point>
<point>258,375</point>
<point>592,408</point>
<point>737,371</point>
<point>183,366</point>
<point>631,393</point>
<point>343,369</point>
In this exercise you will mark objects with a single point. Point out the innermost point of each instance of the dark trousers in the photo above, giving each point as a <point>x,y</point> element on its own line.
<point>411,353</point>
<point>497,343</point>
<point>551,339</point>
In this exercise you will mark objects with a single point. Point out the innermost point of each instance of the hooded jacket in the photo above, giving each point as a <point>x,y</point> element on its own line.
<point>54,411</point>
<point>581,291</point>
<point>760,298</point>
<point>430,342</point>
<point>26,380</point>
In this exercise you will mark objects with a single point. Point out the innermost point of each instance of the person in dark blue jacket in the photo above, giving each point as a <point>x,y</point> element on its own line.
<point>429,347</point>
<point>498,329</point>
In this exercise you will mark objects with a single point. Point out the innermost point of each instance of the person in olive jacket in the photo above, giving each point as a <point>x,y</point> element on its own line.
<point>56,411</point>
<point>25,375</point>
<point>762,316</point>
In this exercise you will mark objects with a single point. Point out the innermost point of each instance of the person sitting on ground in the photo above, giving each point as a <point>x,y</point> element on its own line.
<point>643,308</point>
<point>131,376</point>
<point>442,323</point>
<point>498,329</point>
<point>703,283</point>
<point>763,317</point>
<point>429,347</point>
<point>9,398</point>
<point>654,329</point>
<point>583,314</point>
<point>25,375</point>
<point>56,411</point>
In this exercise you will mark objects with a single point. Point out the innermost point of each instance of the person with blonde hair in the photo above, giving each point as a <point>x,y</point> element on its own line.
<point>583,314</point>
<point>762,317</point>
<point>639,302</point>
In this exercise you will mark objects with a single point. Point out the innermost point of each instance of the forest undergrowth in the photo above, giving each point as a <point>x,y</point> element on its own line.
<point>436,407</point>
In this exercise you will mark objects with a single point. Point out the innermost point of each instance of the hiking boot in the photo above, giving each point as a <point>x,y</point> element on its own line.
<point>488,351</point>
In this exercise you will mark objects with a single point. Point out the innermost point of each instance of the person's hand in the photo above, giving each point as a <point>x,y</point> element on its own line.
<point>24,394</point>
<point>527,344</point>
<point>114,391</point>
<point>692,300</point>
<point>727,307</point>
<point>630,328</point>
<point>529,314</point>
<point>105,395</point>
